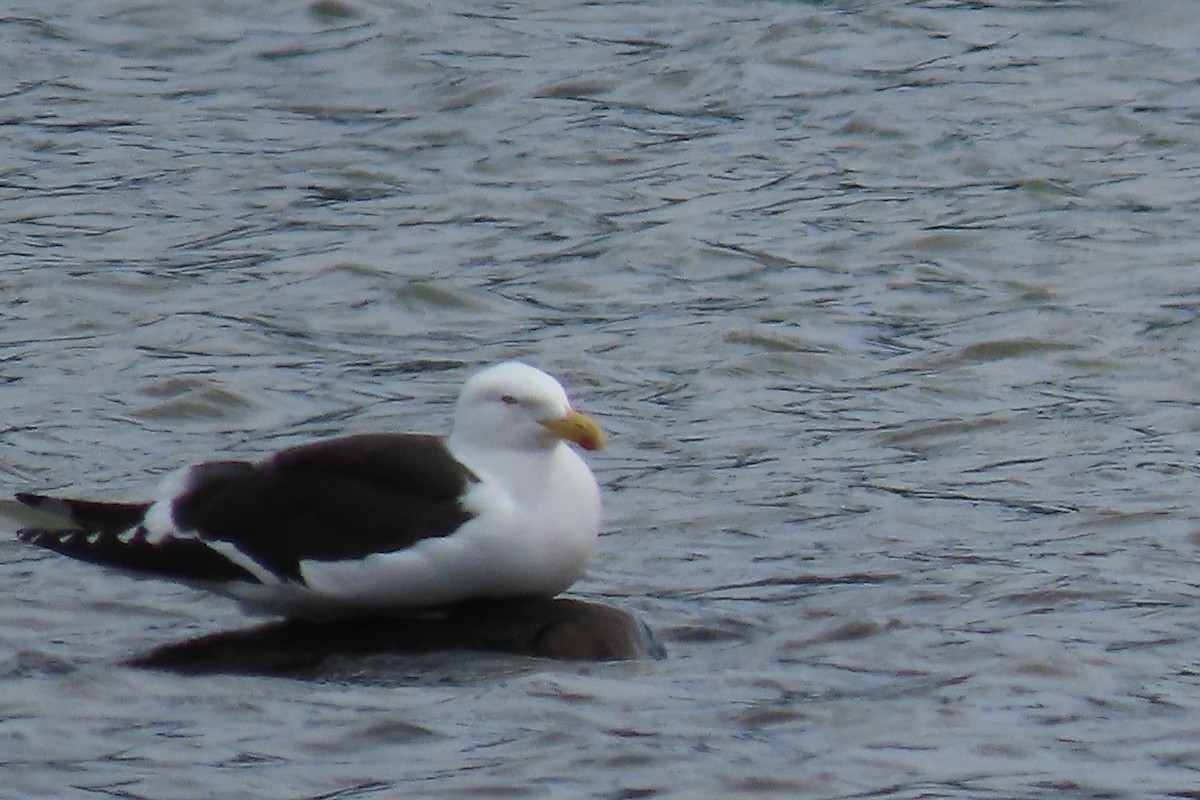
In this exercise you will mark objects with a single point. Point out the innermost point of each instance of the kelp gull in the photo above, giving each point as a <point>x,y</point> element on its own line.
<point>370,524</point>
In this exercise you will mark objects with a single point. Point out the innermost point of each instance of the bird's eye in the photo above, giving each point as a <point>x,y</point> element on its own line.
<point>508,399</point>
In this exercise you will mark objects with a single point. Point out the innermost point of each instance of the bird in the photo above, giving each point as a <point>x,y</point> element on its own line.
<point>375,524</point>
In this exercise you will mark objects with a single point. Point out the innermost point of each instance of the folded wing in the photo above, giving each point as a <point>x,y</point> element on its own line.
<point>233,520</point>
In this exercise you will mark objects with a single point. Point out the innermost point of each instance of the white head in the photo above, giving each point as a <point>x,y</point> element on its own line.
<point>514,406</point>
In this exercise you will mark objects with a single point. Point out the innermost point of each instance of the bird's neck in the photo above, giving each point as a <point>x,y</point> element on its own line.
<point>521,471</point>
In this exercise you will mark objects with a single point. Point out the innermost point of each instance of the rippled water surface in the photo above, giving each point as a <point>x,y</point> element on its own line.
<point>889,308</point>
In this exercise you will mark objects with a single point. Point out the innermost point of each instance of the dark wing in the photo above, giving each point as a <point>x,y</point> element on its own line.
<point>112,534</point>
<point>336,499</point>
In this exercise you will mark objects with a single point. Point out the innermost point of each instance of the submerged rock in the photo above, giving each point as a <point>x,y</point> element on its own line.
<point>560,628</point>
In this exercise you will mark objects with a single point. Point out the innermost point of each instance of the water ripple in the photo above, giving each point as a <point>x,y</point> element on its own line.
<point>888,308</point>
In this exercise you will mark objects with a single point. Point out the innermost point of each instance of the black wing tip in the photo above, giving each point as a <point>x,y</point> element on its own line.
<point>111,517</point>
<point>174,558</point>
<point>60,540</point>
<point>30,499</point>
<point>31,535</point>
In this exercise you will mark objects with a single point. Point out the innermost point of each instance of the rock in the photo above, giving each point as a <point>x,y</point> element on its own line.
<point>559,629</point>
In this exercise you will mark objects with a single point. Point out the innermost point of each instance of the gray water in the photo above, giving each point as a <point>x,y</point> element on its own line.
<point>888,308</point>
